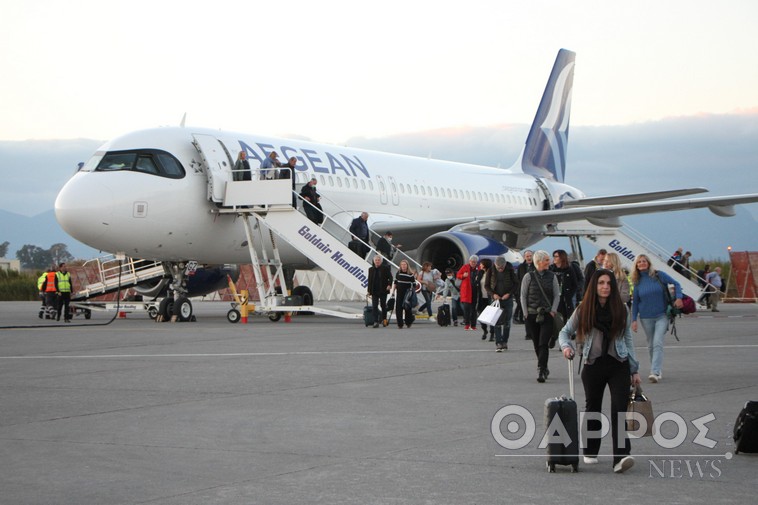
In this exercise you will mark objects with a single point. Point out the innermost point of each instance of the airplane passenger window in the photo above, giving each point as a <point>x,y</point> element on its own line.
<point>371,185</point>
<point>339,181</point>
<point>449,193</point>
<point>415,189</point>
<point>436,191</point>
<point>331,181</point>
<point>355,184</point>
<point>323,181</point>
<point>363,184</point>
<point>429,190</point>
<point>408,187</point>
<point>468,195</point>
<point>455,192</point>
<point>402,189</point>
<point>423,191</point>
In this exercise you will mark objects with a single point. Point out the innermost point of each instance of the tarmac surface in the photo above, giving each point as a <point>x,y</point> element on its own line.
<point>321,410</point>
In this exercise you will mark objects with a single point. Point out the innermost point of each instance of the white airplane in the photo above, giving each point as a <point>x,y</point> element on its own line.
<point>156,194</point>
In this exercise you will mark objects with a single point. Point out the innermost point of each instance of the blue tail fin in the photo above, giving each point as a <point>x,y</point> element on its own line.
<point>545,150</point>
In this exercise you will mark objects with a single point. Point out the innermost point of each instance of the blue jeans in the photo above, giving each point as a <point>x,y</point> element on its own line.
<point>503,331</point>
<point>655,331</point>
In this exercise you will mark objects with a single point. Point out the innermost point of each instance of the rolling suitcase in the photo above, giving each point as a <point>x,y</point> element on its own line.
<point>443,315</point>
<point>564,408</point>
<point>368,315</point>
<point>746,429</point>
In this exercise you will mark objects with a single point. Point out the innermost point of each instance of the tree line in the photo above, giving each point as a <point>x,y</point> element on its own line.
<point>34,257</point>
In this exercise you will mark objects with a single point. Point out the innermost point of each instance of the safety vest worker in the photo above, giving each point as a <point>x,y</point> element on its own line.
<point>51,281</point>
<point>41,281</point>
<point>64,281</point>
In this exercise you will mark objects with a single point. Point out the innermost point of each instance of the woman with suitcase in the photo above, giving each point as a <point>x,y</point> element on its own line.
<point>602,325</point>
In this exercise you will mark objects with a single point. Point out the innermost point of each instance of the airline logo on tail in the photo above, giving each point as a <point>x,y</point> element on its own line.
<point>545,150</point>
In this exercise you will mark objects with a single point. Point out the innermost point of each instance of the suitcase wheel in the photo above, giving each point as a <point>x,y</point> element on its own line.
<point>550,467</point>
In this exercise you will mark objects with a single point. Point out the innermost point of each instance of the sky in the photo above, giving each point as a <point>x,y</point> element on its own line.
<point>332,70</point>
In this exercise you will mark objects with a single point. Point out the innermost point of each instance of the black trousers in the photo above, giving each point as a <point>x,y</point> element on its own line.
<point>63,300</point>
<point>376,301</point>
<point>540,334</point>
<point>607,371</point>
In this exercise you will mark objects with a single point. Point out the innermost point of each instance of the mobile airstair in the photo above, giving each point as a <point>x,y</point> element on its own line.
<point>113,274</point>
<point>265,208</point>
<point>628,243</point>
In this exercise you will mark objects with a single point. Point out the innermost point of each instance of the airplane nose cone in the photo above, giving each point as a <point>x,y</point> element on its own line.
<point>83,208</point>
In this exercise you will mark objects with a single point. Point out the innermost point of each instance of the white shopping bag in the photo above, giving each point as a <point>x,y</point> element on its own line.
<point>490,314</point>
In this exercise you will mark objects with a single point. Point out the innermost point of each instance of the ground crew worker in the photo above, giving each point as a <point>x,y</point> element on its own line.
<point>64,292</point>
<point>50,288</point>
<point>40,282</point>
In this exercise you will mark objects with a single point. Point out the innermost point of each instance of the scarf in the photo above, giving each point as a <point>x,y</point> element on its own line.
<point>603,323</point>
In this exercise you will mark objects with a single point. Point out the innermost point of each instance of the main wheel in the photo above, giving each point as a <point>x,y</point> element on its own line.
<point>183,309</point>
<point>233,316</point>
<point>166,308</point>
<point>307,295</point>
<point>274,316</point>
<point>152,312</point>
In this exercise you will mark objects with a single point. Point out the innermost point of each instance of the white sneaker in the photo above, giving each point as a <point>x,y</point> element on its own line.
<point>590,461</point>
<point>653,378</point>
<point>625,464</point>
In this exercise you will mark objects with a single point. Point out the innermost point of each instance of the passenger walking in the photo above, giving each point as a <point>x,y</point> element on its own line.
<point>649,303</point>
<point>428,288</point>
<point>566,280</point>
<point>379,285</point>
<point>502,285</point>
<point>469,291</point>
<point>451,290</point>
<point>359,230</point>
<point>613,263</point>
<point>405,300</point>
<point>715,284</point>
<point>597,262</point>
<point>540,296</point>
<point>241,168</point>
<point>524,268</point>
<point>484,296</point>
<point>602,326</point>
<point>269,166</point>
<point>311,203</point>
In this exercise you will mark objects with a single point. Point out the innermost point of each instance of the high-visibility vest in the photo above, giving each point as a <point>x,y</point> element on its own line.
<point>41,281</point>
<point>64,282</point>
<point>50,286</point>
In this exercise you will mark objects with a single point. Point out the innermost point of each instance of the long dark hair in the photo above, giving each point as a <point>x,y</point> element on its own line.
<point>588,308</point>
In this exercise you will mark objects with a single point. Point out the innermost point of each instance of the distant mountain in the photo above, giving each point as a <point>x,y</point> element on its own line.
<point>41,230</point>
<point>718,152</point>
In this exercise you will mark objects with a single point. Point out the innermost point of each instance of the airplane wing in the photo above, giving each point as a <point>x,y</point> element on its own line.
<point>412,233</point>
<point>632,197</point>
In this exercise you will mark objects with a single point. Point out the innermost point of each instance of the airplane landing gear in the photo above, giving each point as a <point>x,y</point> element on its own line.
<point>177,306</point>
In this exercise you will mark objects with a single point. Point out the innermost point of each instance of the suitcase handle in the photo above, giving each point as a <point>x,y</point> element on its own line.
<point>571,377</point>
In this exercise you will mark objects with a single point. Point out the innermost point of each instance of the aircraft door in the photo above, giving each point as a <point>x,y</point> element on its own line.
<point>218,165</point>
<point>382,189</point>
<point>393,190</point>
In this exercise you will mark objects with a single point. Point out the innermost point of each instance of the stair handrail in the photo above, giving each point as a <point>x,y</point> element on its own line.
<point>371,232</point>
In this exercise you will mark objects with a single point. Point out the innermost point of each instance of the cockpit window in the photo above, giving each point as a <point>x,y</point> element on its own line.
<point>146,161</point>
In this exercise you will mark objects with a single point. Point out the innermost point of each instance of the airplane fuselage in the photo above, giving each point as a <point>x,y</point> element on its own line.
<point>151,216</point>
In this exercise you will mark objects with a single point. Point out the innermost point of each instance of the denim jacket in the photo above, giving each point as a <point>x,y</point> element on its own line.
<point>624,345</point>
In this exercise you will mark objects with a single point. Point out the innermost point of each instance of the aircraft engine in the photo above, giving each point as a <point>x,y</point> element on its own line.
<point>452,249</point>
<point>205,280</point>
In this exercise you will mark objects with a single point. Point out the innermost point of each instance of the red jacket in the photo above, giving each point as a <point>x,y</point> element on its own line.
<point>466,282</point>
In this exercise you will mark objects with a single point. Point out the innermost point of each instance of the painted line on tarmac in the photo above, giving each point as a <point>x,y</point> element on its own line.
<point>241,354</point>
<point>325,353</point>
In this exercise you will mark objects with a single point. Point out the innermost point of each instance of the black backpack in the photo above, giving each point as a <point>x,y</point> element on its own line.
<point>746,429</point>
